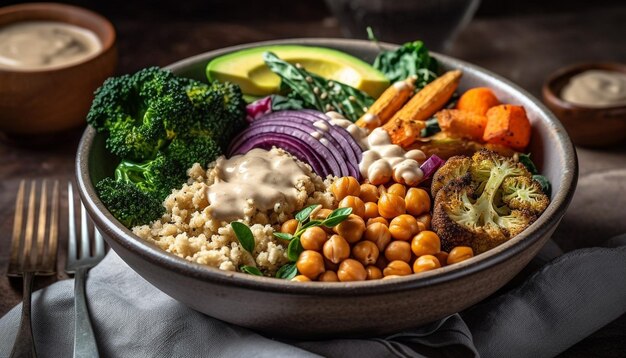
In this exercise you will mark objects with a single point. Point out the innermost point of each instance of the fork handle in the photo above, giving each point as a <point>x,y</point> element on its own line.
<point>24,345</point>
<point>84,339</point>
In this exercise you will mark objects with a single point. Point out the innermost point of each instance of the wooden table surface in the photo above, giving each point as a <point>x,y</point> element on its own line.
<point>525,49</point>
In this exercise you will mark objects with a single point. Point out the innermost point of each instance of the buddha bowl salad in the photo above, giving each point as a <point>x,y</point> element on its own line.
<point>308,164</point>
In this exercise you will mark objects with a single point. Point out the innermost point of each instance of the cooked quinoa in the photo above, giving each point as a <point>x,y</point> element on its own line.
<point>188,230</point>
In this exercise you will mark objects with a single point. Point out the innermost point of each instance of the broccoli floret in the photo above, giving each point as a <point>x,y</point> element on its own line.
<point>193,150</point>
<point>160,125</point>
<point>156,177</point>
<point>220,110</point>
<point>141,112</point>
<point>484,201</point>
<point>127,203</point>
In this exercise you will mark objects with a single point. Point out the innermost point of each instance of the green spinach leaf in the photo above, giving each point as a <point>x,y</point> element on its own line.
<point>317,92</point>
<point>410,59</point>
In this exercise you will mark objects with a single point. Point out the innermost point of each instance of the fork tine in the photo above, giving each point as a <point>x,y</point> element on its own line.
<point>49,263</point>
<point>99,241</point>
<point>17,228</point>
<point>84,233</point>
<point>41,225</point>
<point>27,258</point>
<point>71,241</point>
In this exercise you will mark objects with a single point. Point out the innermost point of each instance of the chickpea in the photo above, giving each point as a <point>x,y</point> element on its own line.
<point>313,238</point>
<point>366,252</point>
<point>345,186</point>
<point>397,189</point>
<point>398,251</point>
<point>351,270</point>
<point>351,229</point>
<point>373,273</point>
<point>371,211</point>
<point>321,214</point>
<point>391,205</point>
<point>301,278</point>
<point>460,253</point>
<point>379,234</point>
<point>426,243</point>
<point>403,227</point>
<point>310,263</point>
<point>289,226</point>
<point>354,202</point>
<point>442,256</point>
<point>369,193</point>
<point>425,263</point>
<point>328,276</point>
<point>417,201</point>
<point>336,249</point>
<point>379,219</point>
<point>397,267</point>
<point>424,219</point>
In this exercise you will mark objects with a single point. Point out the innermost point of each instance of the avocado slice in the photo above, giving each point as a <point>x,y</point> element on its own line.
<point>247,69</point>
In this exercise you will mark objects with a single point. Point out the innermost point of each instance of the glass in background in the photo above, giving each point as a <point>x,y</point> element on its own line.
<point>435,22</point>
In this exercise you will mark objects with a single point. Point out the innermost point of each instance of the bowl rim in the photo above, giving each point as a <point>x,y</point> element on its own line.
<point>108,43</point>
<point>564,73</point>
<point>147,251</point>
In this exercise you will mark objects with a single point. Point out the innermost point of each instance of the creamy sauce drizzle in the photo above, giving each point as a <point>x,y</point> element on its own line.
<point>359,134</point>
<point>384,160</point>
<point>34,45</point>
<point>596,88</point>
<point>259,178</point>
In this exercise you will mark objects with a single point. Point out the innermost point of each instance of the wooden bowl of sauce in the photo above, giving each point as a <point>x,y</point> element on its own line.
<point>590,101</point>
<point>52,58</point>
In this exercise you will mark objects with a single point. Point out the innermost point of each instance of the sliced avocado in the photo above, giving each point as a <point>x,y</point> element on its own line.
<point>247,69</point>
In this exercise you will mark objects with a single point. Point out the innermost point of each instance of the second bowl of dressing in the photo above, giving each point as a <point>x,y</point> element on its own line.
<point>590,100</point>
<point>52,58</point>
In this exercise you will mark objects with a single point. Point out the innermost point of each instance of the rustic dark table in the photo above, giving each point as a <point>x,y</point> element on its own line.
<point>524,48</point>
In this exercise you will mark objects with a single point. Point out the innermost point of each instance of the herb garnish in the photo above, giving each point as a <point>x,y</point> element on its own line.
<point>288,271</point>
<point>246,239</point>
<point>251,270</point>
<point>244,235</point>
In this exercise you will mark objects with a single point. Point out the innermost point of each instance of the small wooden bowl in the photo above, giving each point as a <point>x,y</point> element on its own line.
<point>586,126</point>
<point>37,103</point>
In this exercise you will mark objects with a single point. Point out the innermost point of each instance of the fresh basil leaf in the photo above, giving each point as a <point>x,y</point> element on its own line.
<point>334,221</point>
<point>287,271</point>
<point>251,270</point>
<point>294,249</point>
<point>284,236</point>
<point>340,212</point>
<point>244,235</point>
<point>432,127</point>
<point>528,163</point>
<point>304,214</point>
<point>317,92</point>
<point>309,224</point>
<point>410,59</point>
<point>545,184</point>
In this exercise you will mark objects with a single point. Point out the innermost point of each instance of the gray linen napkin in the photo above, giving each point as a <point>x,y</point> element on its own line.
<point>560,304</point>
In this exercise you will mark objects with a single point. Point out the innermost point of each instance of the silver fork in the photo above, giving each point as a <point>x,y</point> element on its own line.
<point>84,339</point>
<point>32,258</point>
